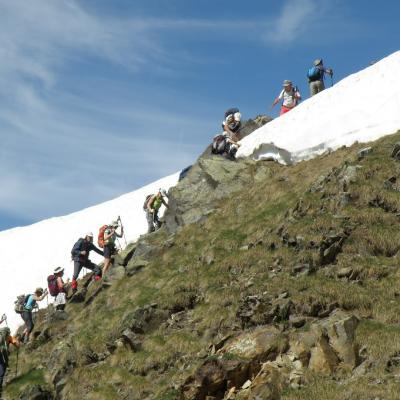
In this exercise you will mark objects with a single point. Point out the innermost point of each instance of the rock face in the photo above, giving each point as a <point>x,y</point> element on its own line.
<point>260,363</point>
<point>211,178</point>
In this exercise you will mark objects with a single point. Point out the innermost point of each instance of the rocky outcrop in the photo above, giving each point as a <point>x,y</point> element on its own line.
<point>260,363</point>
<point>211,178</point>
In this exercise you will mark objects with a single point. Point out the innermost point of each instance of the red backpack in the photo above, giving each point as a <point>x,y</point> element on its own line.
<point>100,238</point>
<point>52,285</point>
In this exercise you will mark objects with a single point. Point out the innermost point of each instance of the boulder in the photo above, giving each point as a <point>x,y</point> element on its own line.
<point>323,359</point>
<point>36,392</point>
<point>135,265</point>
<point>268,384</point>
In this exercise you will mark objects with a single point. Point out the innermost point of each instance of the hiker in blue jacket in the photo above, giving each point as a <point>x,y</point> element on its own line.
<point>80,255</point>
<point>316,75</point>
<point>26,315</point>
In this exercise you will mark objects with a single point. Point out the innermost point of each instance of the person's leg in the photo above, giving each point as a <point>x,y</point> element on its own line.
<point>94,268</point>
<point>107,259</point>
<point>60,301</point>
<point>3,369</point>
<point>157,222</point>
<point>314,88</point>
<point>77,269</point>
<point>150,221</point>
<point>29,325</point>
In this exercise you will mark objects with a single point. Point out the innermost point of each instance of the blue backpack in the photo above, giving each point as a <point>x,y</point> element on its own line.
<point>314,74</point>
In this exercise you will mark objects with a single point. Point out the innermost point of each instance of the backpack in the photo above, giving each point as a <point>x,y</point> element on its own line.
<point>52,285</point>
<point>218,145</point>
<point>145,204</point>
<point>314,74</point>
<point>20,303</point>
<point>100,238</point>
<point>231,111</point>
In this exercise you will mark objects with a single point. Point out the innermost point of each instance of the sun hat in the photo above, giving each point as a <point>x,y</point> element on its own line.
<point>287,82</point>
<point>237,116</point>
<point>58,270</point>
<point>90,234</point>
<point>318,61</point>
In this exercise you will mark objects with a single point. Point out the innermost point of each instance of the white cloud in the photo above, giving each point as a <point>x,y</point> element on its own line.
<point>296,18</point>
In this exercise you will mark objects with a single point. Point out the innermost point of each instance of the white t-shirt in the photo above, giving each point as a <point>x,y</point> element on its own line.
<point>289,98</point>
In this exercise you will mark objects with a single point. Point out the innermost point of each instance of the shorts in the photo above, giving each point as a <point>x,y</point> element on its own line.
<point>108,251</point>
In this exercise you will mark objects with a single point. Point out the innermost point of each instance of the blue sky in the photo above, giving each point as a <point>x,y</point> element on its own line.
<point>99,97</point>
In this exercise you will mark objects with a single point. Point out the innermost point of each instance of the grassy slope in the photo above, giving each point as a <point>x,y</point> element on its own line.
<point>180,274</point>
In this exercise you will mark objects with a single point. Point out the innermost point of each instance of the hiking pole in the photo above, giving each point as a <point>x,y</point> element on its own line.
<point>16,363</point>
<point>119,219</point>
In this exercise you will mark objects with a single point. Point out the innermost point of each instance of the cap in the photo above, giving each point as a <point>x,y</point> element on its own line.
<point>39,290</point>
<point>287,82</point>
<point>237,116</point>
<point>114,224</point>
<point>90,234</point>
<point>318,61</point>
<point>58,270</point>
<point>163,192</point>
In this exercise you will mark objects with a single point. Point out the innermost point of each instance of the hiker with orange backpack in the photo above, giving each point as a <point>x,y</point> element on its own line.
<point>109,236</point>
<point>80,255</point>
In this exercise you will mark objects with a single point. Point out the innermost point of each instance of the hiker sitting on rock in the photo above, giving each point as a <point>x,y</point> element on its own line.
<point>316,75</point>
<point>5,340</point>
<point>80,255</point>
<point>290,97</point>
<point>110,235</point>
<point>152,206</point>
<point>26,315</point>
<point>231,124</point>
<point>62,288</point>
<point>224,146</point>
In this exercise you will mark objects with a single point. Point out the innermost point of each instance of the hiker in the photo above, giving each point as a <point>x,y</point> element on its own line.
<point>231,124</point>
<point>316,75</point>
<point>5,340</point>
<point>290,97</point>
<point>110,235</point>
<point>61,289</point>
<point>80,255</point>
<point>3,318</point>
<point>26,315</point>
<point>152,206</point>
<point>222,144</point>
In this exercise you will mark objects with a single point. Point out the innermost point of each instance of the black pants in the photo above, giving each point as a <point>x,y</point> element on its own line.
<point>27,317</point>
<point>78,265</point>
<point>3,369</point>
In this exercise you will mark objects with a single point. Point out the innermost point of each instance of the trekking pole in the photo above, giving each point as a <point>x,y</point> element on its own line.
<point>119,219</point>
<point>16,363</point>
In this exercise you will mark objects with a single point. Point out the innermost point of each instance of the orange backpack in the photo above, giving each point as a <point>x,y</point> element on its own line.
<point>100,238</point>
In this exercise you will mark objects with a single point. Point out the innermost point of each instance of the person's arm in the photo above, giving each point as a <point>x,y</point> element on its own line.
<point>165,203</point>
<point>60,283</point>
<point>76,250</point>
<point>328,71</point>
<point>40,298</point>
<point>95,249</point>
<point>108,235</point>
<point>231,135</point>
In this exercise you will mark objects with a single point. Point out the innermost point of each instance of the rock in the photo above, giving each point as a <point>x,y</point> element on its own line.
<point>396,151</point>
<point>259,346</point>
<point>135,265</point>
<point>297,322</point>
<point>344,272</point>
<point>247,384</point>
<point>131,340</point>
<point>341,329</point>
<point>116,273</point>
<point>268,384</point>
<point>323,359</point>
<point>364,152</point>
<point>330,247</point>
<point>208,257</point>
<point>144,249</point>
<point>35,392</point>
<point>344,199</point>
<point>79,296</point>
